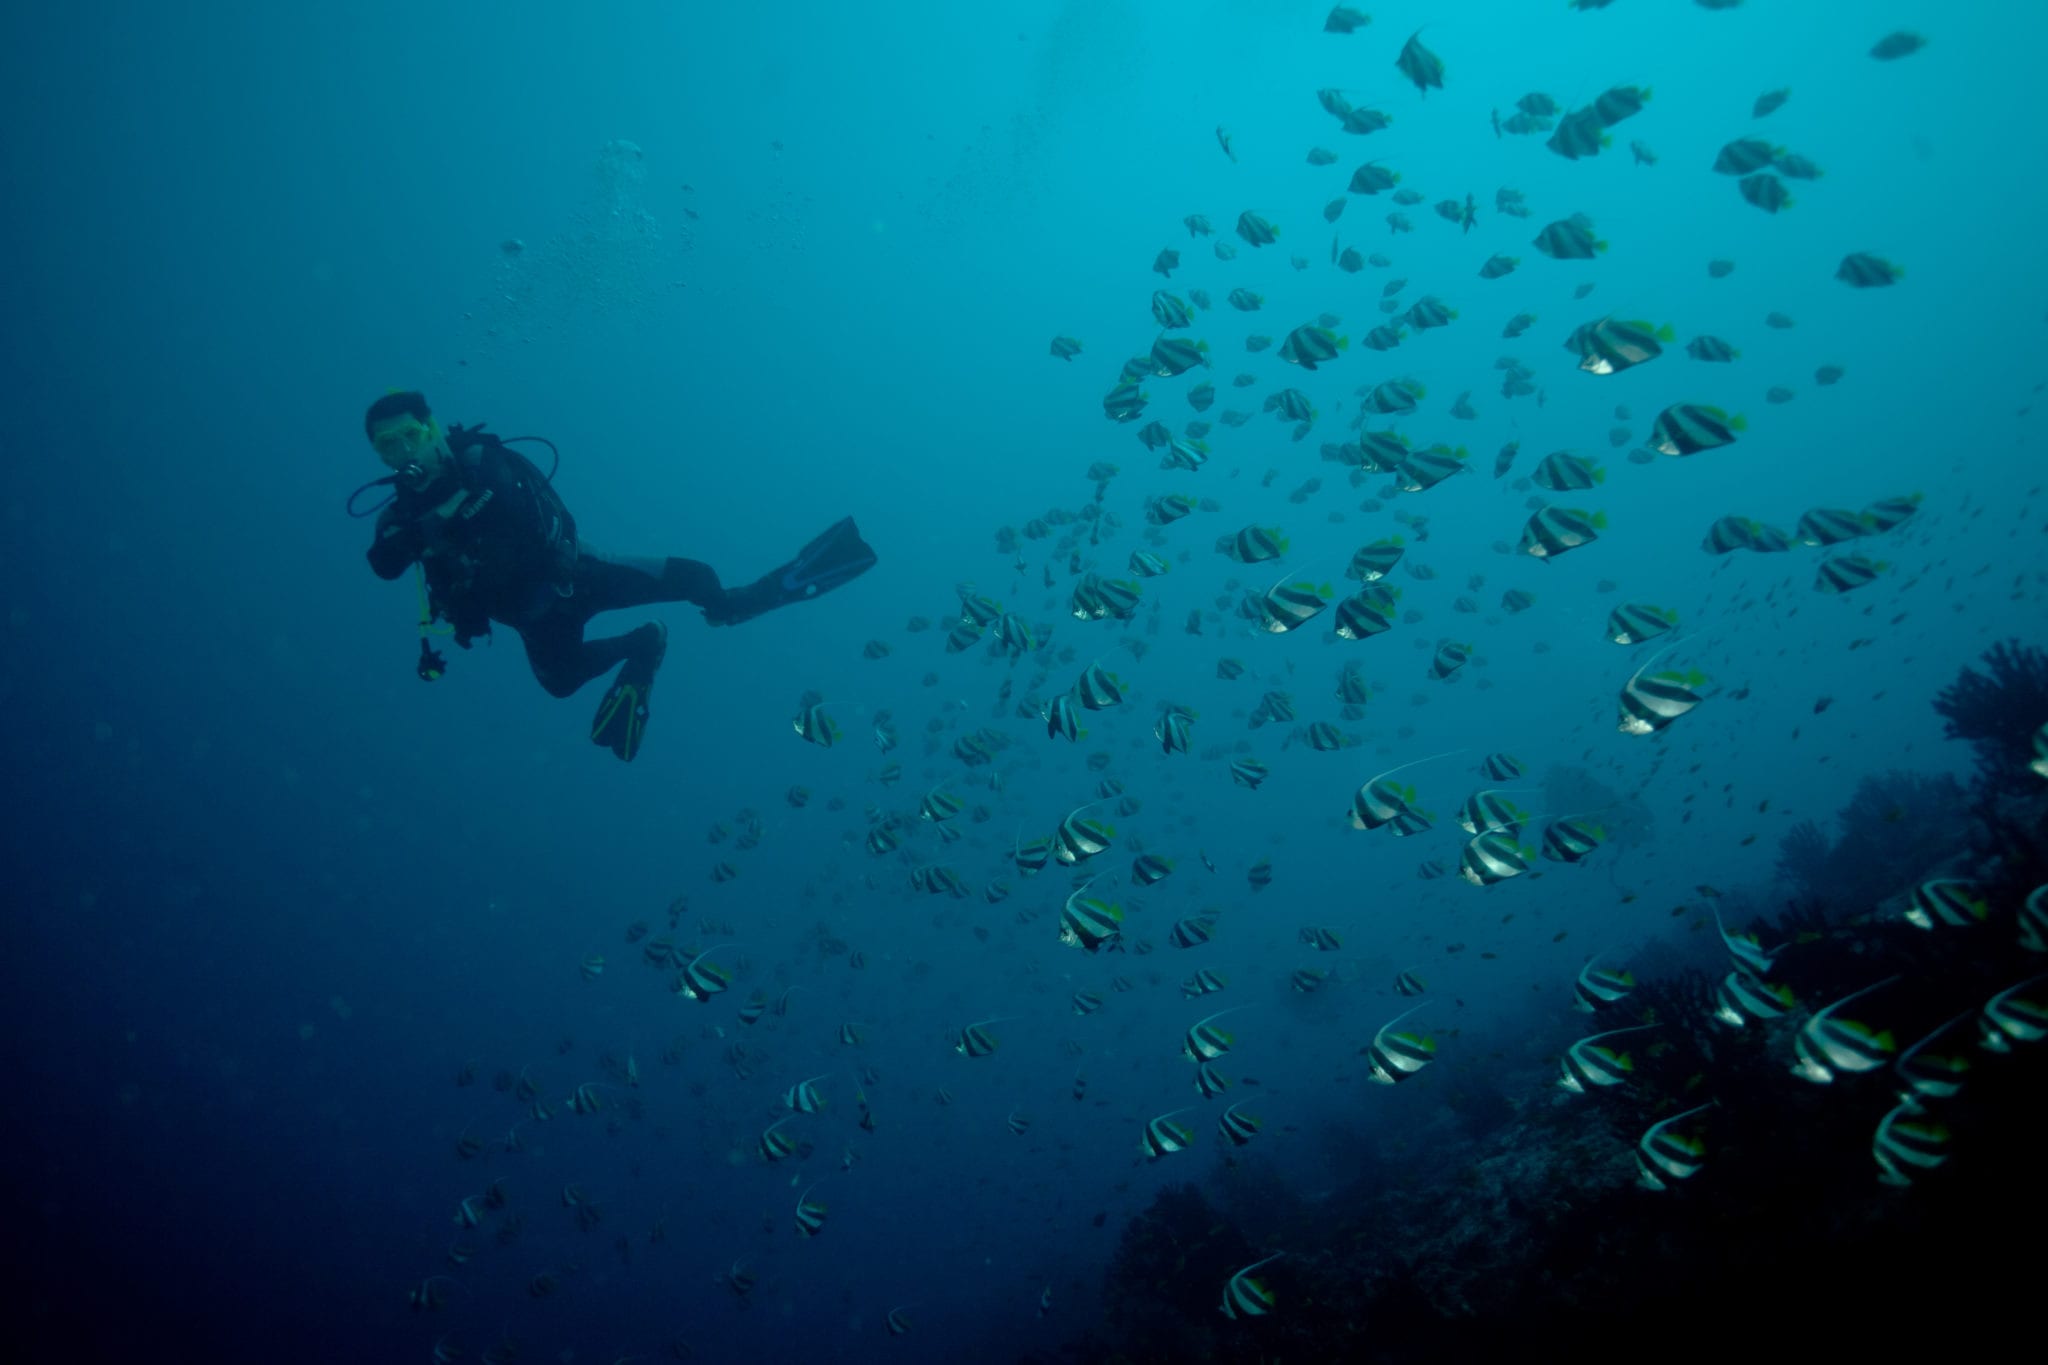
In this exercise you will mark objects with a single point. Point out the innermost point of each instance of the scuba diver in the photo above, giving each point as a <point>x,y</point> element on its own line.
<point>495,544</point>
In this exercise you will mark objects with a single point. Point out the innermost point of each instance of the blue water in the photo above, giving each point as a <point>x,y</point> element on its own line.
<point>777,266</point>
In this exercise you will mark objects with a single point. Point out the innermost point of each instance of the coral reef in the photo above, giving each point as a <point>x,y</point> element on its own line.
<point>1507,1218</point>
<point>1998,711</point>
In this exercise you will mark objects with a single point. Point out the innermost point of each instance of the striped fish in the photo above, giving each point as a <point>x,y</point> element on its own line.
<point>1375,561</point>
<point>1193,931</point>
<point>1449,658</point>
<point>1830,526</point>
<point>1563,472</point>
<point>1552,531</point>
<point>1321,939</point>
<point>1148,869</point>
<point>1648,704</point>
<point>1587,1065</point>
<point>1079,839</point>
<point>1254,544</point>
<point>1239,1128</point>
<point>1018,1123</point>
<point>1689,428</point>
<point>1289,606</point>
<point>1826,1044</point>
<point>1950,901</point>
<point>1664,1157</point>
<point>1307,980</point>
<point>699,980</point>
<point>1745,948</point>
<point>1364,615</point>
<point>1245,1297</point>
<point>1423,470</point>
<point>1571,838</point>
<point>1394,1057</point>
<point>1172,730</point>
<point>1489,809</point>
<point>810,1217</point>
<point>1908,1141</point>
<point>1248,772</point>
<point>976,1041</point>
<point>1089,922</point>
<point>1597,986</point>
<point>1889,512</point>
<point>1209,1081</point>
<point>2010,1017</point>
<point>1205,1042</point>
<point>803,1097</point>
<point>1031,858</point>
<point>1086,1002</point>
<point>1929,1075</point>
<point>898,1322</point>
<point>940,806</point>
<point>1204,982</point>
<point>1098,689</point>
<point>776,1145</point>
<point>1408,983</point>
<point>1741,997</point>
<point>1493,857</point>
<point>1259,875</point>
<point>1631,623</point>
<point>1846,573</point>
<point>1163,1137</point>
<point>813,725</point>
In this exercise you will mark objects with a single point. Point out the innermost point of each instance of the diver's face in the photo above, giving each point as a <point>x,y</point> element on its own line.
<point>404,442</point>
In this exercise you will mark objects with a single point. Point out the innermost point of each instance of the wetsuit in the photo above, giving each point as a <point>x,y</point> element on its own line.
<point>498,545</point>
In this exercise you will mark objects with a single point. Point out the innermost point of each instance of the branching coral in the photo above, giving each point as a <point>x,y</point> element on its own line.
<point>1998,712</point>
<point>1803,854</point>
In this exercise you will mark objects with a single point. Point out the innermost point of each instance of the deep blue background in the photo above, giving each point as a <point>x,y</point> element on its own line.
<point>268,892</point>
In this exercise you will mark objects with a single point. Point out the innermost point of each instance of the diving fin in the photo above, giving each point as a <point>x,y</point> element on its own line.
<point>836,556</point>
<point>621,719</point>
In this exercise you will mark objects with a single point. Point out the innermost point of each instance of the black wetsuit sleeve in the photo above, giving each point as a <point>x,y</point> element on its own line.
<point>397,544</point>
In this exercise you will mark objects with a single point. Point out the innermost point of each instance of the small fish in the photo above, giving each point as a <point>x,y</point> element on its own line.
<point>1223,140</point>
<point>1861,270</point>
<point>1065,348</point>
<point>1310,346</point>
<point>1597,986</point>
<point>1394,1057</point>
<point>1245,1297</point>
<point>1163,1137</point>
<point>810,1216</point>
<point>1256,230</point>
<point>1420,65</point>
<point>1634,622</point>
<point>1826,1044</point>
<point>1689,428</point>
<point>1569,239</point>
<point>2010,1017</point>
<point>976,1041</point>
<point>1205,1042</point>
<point>1663,1156</point>
<point>1238,1128</point>
<point>1741,996</point>
<point>1553,531</point>
<point>1893,46</point>
<point>1907,1140</point>
<point>1846,573</point>
<point>1588,1066</point>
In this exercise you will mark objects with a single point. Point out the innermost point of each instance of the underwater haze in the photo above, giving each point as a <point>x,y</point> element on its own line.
<point>1409,537</point>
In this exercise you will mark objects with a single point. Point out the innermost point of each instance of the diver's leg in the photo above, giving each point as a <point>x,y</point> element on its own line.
<point>563,661</point>
<point>608,582</point>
